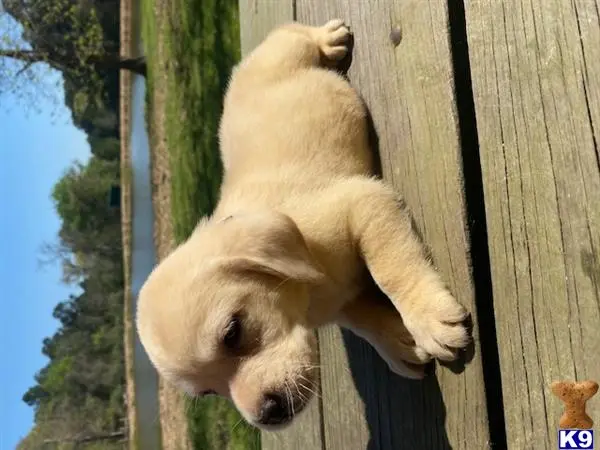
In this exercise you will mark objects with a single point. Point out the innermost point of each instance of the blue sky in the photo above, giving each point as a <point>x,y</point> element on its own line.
<point>35,150</point>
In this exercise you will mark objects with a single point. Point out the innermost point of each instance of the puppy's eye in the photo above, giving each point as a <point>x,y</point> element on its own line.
<point>233,334</point>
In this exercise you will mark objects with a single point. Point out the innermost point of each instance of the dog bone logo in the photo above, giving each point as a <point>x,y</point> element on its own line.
<point>574,395</point>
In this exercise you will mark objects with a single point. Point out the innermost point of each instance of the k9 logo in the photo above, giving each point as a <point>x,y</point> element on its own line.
<point>575,439</point>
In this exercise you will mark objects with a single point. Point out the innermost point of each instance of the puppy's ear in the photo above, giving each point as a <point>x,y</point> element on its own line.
<point>283,268</point>
<point>273,245</point>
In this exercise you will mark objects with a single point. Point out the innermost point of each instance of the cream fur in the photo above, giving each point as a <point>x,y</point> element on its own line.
<point>300,221</point>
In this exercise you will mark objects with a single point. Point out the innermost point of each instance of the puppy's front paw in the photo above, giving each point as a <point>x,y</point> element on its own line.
<point>438,325</point>
<point>333,39</point>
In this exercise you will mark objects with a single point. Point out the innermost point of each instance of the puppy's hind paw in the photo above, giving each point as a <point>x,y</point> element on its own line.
<point>407,370</point>
<point>333,39</point>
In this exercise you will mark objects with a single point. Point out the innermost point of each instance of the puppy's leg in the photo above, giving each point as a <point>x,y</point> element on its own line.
<point>382,327</point>
<point>397,261</point>
<point>295,46</point>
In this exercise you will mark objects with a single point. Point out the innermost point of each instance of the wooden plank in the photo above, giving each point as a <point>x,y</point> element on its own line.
<point>409,90</point>
<point>257,19</point>
<point>535,78</point>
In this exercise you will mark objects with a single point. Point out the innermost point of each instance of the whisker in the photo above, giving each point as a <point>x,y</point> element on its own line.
<point>310,387</point>
<point>285,280</point>
<point>236,425</point>
<point>290,397</point>
<point>298,390</point>
<point>320,367</point>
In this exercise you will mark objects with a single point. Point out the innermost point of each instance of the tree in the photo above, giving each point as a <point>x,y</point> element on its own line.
<point>78,396</point>
<point>81,195</point>
<point>107,148</point>
<point>89,239</point>
<point>70,36</point>
<point>35,395</point>
<point>72,62</point>
<point>66,313</point>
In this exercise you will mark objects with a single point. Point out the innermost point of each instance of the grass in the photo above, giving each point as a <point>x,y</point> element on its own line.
<point>201,45</point>
<point>215,425</point>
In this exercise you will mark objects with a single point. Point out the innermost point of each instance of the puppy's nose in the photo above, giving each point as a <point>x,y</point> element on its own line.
<point>274,410</point>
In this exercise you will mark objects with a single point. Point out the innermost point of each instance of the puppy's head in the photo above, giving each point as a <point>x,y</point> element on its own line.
<point>225,313</point>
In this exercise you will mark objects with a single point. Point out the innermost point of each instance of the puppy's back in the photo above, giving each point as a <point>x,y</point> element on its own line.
<point>312,121</point>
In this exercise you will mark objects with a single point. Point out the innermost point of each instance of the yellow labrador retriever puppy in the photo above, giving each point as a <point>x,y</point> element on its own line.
<point>300,223</point>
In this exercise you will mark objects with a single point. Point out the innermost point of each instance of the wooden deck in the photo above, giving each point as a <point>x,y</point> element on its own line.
<point>487,122</point>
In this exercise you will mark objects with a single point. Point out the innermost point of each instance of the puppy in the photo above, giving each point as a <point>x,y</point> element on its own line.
<point>301,228</point>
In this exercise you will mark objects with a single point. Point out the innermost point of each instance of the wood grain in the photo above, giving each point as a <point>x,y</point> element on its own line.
<point>535,69</point>
<point>257,19</point>
<point>409,89</point>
